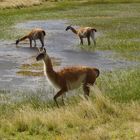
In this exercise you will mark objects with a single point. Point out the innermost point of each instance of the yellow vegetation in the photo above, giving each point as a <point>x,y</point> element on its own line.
<point>18,3</point>
<point>97,119</point>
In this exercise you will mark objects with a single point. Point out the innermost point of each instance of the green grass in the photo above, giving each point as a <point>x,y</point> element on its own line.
<point>7,4</point>
<point>112,112</point>
<point>121,86</point>
<point>118,24</point>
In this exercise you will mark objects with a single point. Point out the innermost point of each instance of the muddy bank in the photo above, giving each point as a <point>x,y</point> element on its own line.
<point>61,45</point>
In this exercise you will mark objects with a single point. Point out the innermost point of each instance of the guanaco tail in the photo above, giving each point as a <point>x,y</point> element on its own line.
<point>84,32</point>
<point>35,34</point>
<point>68,78</point>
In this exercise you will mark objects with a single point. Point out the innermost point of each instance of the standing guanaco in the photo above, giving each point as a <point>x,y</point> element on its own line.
<point>35,34</point>
<point>84,32</point>
<point>68,78</point>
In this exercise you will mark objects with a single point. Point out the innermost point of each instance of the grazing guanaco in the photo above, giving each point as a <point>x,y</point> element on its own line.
<point>35,34</point>
<point>68,78</point>
<point>84,32</point>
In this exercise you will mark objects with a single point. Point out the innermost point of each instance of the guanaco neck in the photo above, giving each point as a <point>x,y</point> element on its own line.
<point>73,30</point>
<point>23,38</point>
<point>48,67</point>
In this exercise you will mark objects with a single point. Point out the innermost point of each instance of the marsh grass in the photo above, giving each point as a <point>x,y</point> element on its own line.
<point>120,85</point>
<point>97,119</point>
<point>35,69</point>
<point>117,24</point>
<point>111,112</point>
<point>113,109</point>
<point>30,73</point>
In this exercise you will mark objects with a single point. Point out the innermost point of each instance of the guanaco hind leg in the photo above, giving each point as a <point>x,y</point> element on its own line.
<point>34,43</point>
<point>86,89</point>
<point>88,39</point>
<point>81,40</point>
<point>90,80</point>
<point>94,42</point>
<point>42,41</point>
<point>93,38</point>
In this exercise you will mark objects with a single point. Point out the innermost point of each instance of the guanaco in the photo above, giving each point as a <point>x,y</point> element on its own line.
<point>68,78</point>
<point>35,34</point>
<point>84,32</point>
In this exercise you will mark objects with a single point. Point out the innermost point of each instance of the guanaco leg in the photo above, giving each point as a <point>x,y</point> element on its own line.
<point>42,41</point>
<point>88,39</point>
<point>62,91</point>
<point>30,43</point>
<point>94,42</point>
<point>93,38</point>
<point>86,90</point>
<point>35,42</point>
<point>81,39</point>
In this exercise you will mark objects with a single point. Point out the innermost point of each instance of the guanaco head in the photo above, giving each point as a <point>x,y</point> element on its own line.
<point>68,27</point>
<point>41,55</point>
<point>17,41</point>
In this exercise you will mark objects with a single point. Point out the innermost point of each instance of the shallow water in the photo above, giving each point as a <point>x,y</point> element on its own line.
<point>60,45</point>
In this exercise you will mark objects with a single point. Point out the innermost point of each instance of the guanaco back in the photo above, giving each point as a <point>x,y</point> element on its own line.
<point>35,34</point>
<point>68,78</point>
<point>84,32</point>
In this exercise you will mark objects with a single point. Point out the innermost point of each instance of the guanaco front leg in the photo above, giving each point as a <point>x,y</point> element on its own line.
<point>30,43</point>
<point>62,91</point>
<point>81,40</point>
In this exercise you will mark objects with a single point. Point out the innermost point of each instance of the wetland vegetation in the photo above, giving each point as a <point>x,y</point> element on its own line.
<point>113,109</point>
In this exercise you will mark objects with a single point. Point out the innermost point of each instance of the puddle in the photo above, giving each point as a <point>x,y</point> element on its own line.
<point>18,68</point>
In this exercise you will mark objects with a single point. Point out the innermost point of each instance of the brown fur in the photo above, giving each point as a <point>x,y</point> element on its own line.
<point>68,78</point>
<point>84,32</point>
<point>35,34</point>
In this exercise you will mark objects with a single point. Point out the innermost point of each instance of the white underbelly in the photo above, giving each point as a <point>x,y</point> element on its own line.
<point>75,84</point>
<point>84,36</point>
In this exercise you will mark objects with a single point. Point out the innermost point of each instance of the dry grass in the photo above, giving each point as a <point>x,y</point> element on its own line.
<point>30,73</point>
<point>35,69</point>
<point>4,4</point>
<point>98,118</point>
<point>18,3</point>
